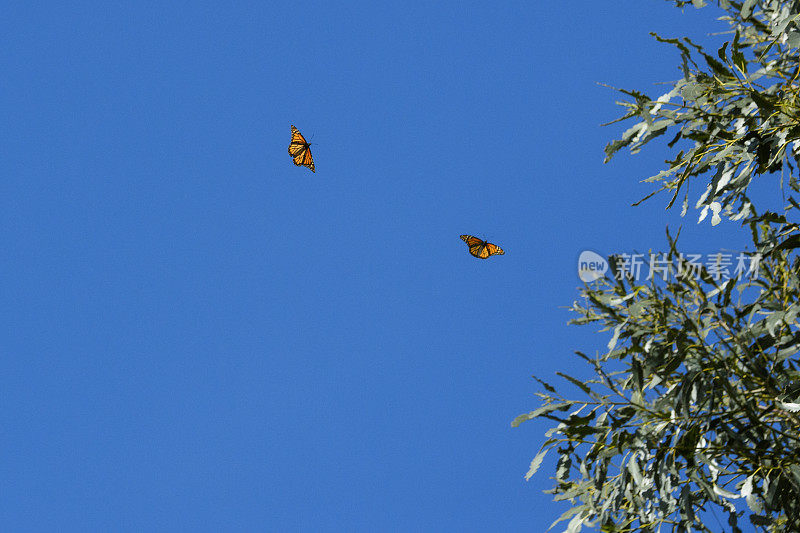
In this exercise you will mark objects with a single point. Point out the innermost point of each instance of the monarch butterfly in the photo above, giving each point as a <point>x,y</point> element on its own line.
<point>298,149</point>
<point>481,249</point>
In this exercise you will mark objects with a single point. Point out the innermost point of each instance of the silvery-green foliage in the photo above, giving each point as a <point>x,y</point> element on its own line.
<point>702,408</point>
<point>694,413</point>
<point>732,115</point>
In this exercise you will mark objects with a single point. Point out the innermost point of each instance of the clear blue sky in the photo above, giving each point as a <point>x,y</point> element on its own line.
<point>198,335</point>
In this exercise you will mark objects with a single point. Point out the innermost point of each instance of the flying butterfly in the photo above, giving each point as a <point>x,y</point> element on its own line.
<point>481,249</point>
<point>298,149</point>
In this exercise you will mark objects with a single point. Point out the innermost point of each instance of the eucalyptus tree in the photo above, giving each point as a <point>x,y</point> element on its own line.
<point>694,410</point>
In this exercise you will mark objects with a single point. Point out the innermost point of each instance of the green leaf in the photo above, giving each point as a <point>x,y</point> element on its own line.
<point>688,443</point>
<point>536,463</point>
<point>737,56</point>
<point>747,487</point>
<point>633,468</point>
<point>795,469</point>
<point>547,386</point>
<point>572,511</point>
<point>562,406</point>
<point>789,244</point>
<point>615,337</point>
<point>793,39</point>
<point>718,68</point>
<point>724,493</point>
<point>687,506</point>
<point>575,524</point>
<point>575,382</point>
<point>564,464</point>
<point>754,503</point>
<point>789,406</point>
<point>722,52</point>
<point>638,378</point>
<point>682,47</point>
<point>764,102</point>
<point>747,8</point>
<point>759,520</point>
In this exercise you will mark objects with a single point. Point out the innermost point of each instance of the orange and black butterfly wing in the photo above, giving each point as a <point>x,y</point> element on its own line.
<point>476,246</point>
<point>493,249</point>
<point>297,145</point>
<point>306,161</point>
<point>299,150</point>
<point>481,249</point>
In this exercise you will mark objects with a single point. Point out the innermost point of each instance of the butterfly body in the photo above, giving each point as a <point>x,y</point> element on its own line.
<point>481,249</point>
<point>299,150</point>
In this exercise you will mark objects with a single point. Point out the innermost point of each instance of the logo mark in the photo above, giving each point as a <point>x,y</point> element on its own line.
<point>591,266</point>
